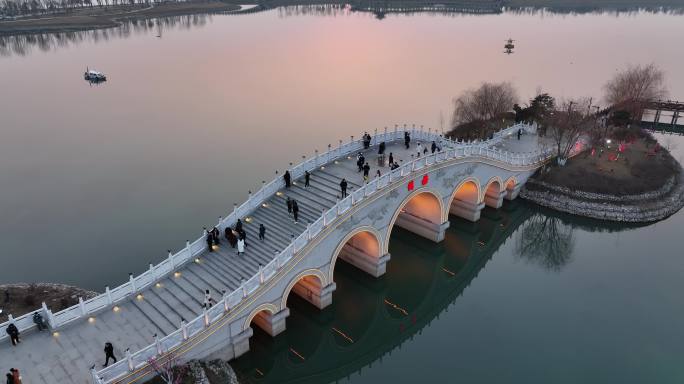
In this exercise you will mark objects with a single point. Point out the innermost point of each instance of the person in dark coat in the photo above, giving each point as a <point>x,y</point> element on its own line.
<point>359,163</point>
<point>13,333</point>
<point>366,170</point>
<point>10,379</point>
<point>307,176</point>
<point>215,235</point>
<point>407,139</point>
<point>238,226</point>
<point>109,353</point>
<point>295,210</point>
<point>289,205</point>
<point>230,236</point>
<point>391,159</point>
<point>381,148</point>
<point>16,376</point>
<point>210,241</point>
<point>38,321</point>
<point>519,133</point>
<point>433,147</point>
<point>262,232</point>
<point>343,187</point>
<point>242,235</point>
<point>288,179</point>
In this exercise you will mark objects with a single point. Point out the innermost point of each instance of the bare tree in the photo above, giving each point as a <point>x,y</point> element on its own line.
<point>567,124</point>
<point>168,368</point>
<point>545,241</point>
<point>483,106</point>
<point>635,86</point>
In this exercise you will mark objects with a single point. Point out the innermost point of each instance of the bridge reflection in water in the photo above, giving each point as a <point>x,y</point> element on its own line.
<point>369,317</point>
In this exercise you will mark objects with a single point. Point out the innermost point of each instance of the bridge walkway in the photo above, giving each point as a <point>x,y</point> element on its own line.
<point>66,356</point>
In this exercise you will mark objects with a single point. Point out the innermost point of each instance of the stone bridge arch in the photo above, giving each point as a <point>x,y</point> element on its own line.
<point>421,212</point>
<point>363,248</point>
<point>309,285</point>
<point>466,199</point>
<point>494,192</point>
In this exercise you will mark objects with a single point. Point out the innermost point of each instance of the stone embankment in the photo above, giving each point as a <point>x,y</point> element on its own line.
<point>20,298</point>
<point>643,207</point>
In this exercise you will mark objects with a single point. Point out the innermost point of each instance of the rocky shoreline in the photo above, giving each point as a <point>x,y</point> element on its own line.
<point>637,208</point>
<point>21,298</point>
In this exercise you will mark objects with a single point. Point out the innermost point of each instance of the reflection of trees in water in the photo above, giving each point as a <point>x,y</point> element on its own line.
<point>546,241</point>
<point>314,9</point>
<point>24,44</point>
<point>627,10</point>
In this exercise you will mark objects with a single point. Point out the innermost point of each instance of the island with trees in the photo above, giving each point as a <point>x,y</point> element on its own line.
<point>606,165</point>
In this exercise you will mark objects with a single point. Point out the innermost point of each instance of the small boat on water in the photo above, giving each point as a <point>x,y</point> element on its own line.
<point>94,76</point>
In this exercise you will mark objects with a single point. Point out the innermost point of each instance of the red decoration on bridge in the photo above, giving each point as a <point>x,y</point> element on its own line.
<point>425,179</point>
<point>410,185</point>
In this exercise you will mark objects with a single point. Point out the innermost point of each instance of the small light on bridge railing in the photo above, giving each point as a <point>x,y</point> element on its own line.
<point>348,157</point>
<point>248,219</point>
<point>608,141</point>
<point>55,334</point>
<point>337,162</point>
<point>265,205</point>
<point>322,167</point>
<point>176,274</point>
<point>116,308</point>
<point>140,296</point>
<point>158,285</point>
<point>197,260</point>
<point>279,193</point>
<point>91,320</point>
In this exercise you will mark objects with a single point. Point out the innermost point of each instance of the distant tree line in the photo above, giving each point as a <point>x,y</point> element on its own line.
<point>40,7</point>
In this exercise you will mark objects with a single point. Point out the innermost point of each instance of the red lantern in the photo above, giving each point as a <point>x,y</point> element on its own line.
<point>425,179</point>
<point>410,185</point>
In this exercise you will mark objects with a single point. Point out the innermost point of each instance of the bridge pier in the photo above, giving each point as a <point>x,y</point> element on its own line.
<point>512,193</point>
<point>421,227</point>
<point>310,289</point>
<point>494,199</point>
<point>373,265</point>
<point>241,342</point>
<point>467,210</point>
<point>273,324</point>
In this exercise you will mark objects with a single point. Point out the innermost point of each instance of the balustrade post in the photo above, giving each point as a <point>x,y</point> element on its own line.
<point>385,134</point>
<point>235,204</point>
<point>184,329</point>
<point>390,176</point>
<point>132,281</point>
<point>351,139</point>
<point>327,160</point>
<point>337,206</point>
<point>325,223</point>
<point>261,274</point>
<point>154,277</point>
<point>158,345</point>
<point>93,374</point>
<point>375,137</point>
<point>109,295</point>
<point>171,258</point>
<point>244,289</point>
<point>396,131</point>
<point>249,195</point>
<point>48,315</point>
<point>316,158</point>
<point>129,360</point>
<point>81,306</point>
<point>226,307</point>
<point>205,315</point>
<point>308,231</point>
<point>277,259</point>
<point>220,220</point>
<point>339,149</point>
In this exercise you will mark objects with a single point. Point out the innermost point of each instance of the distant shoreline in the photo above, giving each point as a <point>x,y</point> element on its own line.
<point>98,17</point>
<point>108,17</point>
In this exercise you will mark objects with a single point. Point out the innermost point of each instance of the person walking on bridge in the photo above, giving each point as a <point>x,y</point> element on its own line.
<point>238,226</point>
<point>16,376</point>
<point>262,232</point>
<point>210,241</point>
<point>419,149</point>
<point>109,353</point>
<point>295,210</point>
<point>407,140</point>
<point>240,246</point>
<point>360,160</point>
<point>391,159</point>
<point>288,179</point>
<point>10,379</point>
<point>307,176</point>
<point>230,236</point>
<point>433,147</point>
<point>208,300</point>
<point>289,205</point>
<point>366,171</point>
<point>343,187</point>
<point>13,333</point>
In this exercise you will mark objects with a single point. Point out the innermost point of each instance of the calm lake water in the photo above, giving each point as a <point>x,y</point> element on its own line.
<point>98,181</point>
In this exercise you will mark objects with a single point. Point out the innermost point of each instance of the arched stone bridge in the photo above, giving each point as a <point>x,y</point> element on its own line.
<point>158,315</point>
